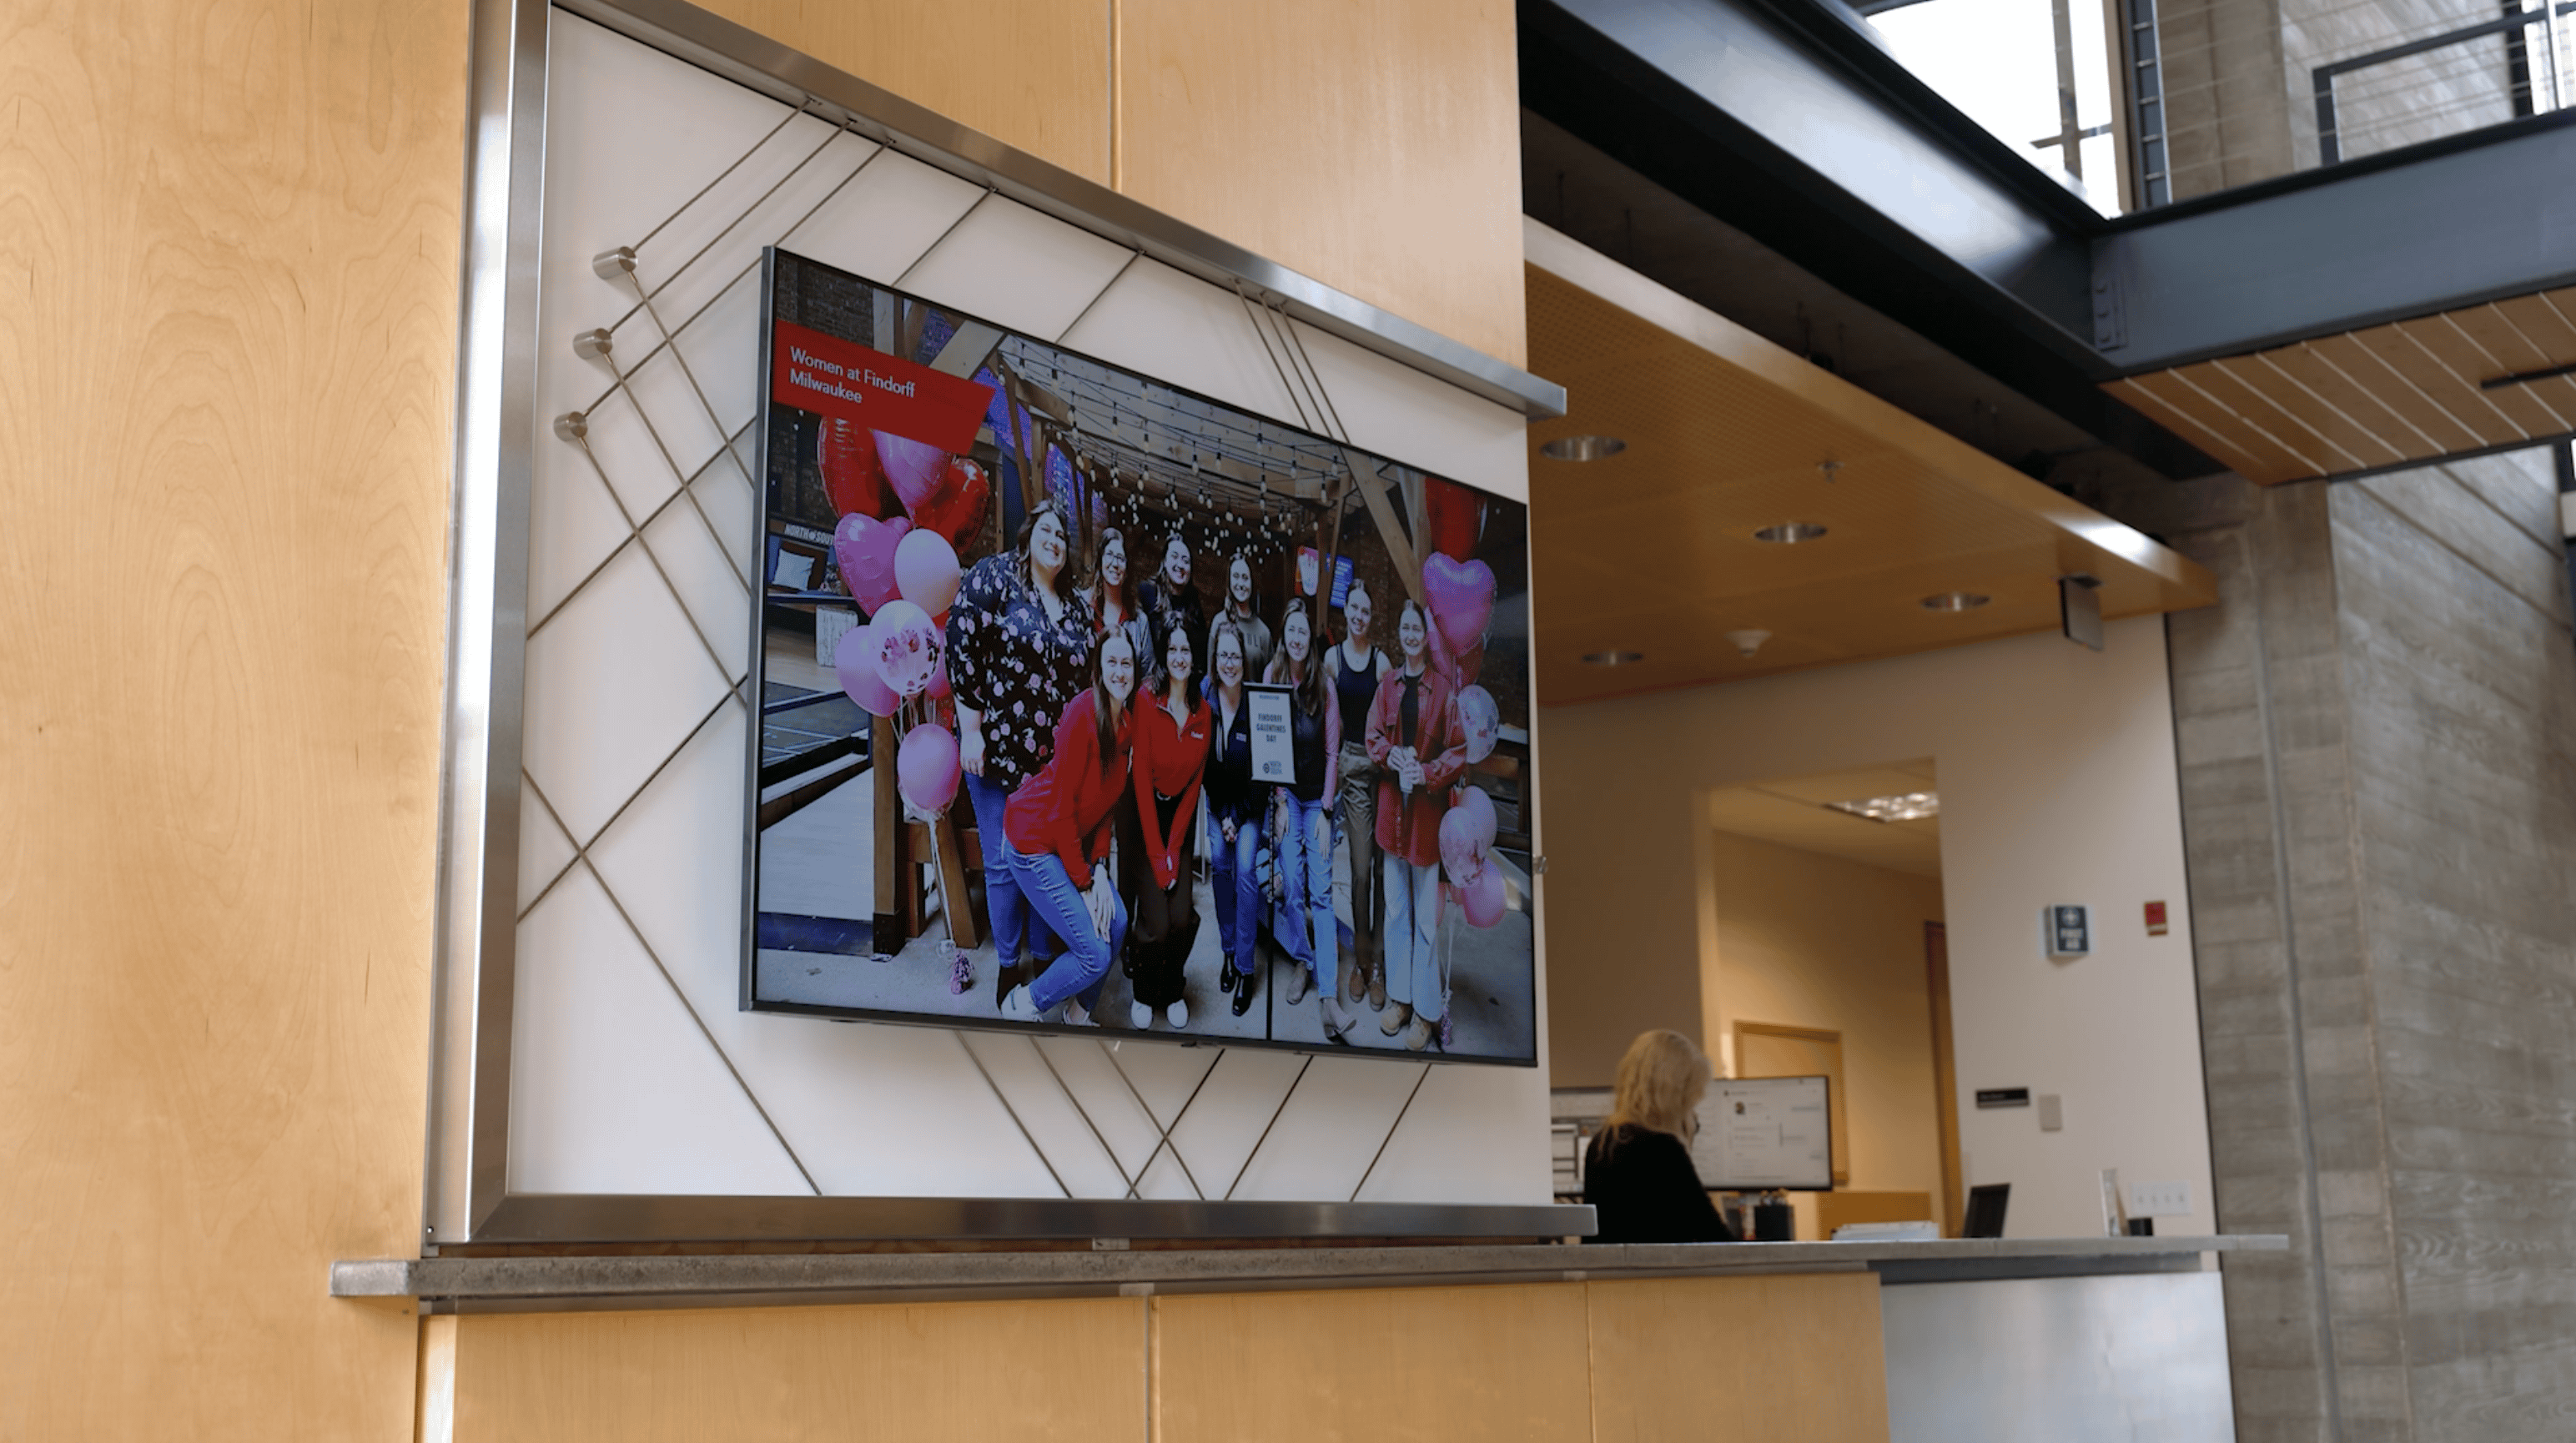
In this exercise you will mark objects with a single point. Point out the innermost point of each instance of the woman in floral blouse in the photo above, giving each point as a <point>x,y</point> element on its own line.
<point>1019,649</point>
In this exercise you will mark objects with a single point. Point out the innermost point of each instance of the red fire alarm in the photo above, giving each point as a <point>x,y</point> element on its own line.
<point>2156,919</point>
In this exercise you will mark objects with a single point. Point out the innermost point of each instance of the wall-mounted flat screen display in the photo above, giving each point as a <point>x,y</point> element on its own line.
<point>1091,704</point>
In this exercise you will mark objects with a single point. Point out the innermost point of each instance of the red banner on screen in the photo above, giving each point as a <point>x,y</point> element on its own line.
<point>815,372</point>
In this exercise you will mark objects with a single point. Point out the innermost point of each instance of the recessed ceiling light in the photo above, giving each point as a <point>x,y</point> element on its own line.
<point>1789,533</point>
<point>1955,601</point>
<point>1905,807</point>
<point>1614,658</point>
<point>1582,448</point>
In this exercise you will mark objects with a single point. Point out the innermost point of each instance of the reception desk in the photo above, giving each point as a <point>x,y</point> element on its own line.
<point>1993,1339</point>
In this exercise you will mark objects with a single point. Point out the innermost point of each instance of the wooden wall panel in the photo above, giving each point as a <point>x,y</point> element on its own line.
<point>1373,147</point>
<point>1071,1370</point>
<point>1776,1357</point>
<point>1503,1362</point>
<point>228,291</point>
<point>1034,73</point>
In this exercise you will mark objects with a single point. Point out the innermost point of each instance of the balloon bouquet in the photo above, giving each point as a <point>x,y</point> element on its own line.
<point>902,570</point>
<point>1458,591</point>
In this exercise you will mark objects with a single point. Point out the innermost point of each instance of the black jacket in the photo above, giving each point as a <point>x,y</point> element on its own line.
<point>1644,1190</point>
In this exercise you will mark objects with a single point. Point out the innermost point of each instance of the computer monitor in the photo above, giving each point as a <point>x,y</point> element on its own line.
<point>1986,1210</point>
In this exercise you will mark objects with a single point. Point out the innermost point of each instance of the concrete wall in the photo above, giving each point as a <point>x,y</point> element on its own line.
<point>1806,940</point>
<point>2057,784</point>
<point>2239,82</point>
<point>2378,737</point>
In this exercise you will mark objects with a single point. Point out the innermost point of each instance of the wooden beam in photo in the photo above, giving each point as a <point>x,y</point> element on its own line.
<point>1399,547</point>
<point>890,879</point>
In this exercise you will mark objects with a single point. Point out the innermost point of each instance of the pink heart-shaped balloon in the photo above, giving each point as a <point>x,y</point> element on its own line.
<point>865,548</point>
<point>1461,596</point>
<point>911,467</point>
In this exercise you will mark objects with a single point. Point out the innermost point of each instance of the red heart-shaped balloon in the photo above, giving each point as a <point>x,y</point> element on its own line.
<point>956,506</point>
<point>1453,516</point>
<point>852,478</point>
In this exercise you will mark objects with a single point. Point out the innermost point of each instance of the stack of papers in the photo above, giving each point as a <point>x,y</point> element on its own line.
<point>1923,1232</point>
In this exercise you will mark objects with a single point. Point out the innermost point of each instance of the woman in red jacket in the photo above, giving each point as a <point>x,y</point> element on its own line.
<point>1154,846</point>
<point>1418,747</point>
<point>1059,825</point>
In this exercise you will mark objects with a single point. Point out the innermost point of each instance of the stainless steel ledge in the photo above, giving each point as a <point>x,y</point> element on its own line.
<point>753,60</point>
<point>625,1218</point>
<point>452,1284</point>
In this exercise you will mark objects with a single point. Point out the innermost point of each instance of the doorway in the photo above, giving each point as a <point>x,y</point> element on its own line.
<point>1824,961</point>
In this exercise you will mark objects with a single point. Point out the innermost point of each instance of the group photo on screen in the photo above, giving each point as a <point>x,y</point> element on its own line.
<point>1090,703</point>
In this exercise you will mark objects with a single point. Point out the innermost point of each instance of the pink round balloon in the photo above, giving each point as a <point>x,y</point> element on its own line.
<point>854,660</point>
<point>925,767</point>
<point>907,647</point>
<point>939,688</point>
<point>913,468</point>
<point>925,570</point>
<point>865,548</point>
<point>1460,851</point>
<point>1483,899</point>
<point>1478,809</point>
<point>1483,721</point>
<point>1461,597</point>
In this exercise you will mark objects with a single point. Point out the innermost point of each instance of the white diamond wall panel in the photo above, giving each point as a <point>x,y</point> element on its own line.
<point>613,1088</point>
<point>1015,267</point>
<point>1404,415</point>
<point>1160,322</point>
<point>633,1076</point>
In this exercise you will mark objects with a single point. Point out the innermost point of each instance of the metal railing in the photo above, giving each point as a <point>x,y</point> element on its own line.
<point>2521,91</point>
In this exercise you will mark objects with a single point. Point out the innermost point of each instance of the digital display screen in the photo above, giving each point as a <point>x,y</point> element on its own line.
<point>1056,736</point>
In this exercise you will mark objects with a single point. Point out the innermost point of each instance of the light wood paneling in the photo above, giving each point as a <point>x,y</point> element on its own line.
<point>1780,1357</point>
<point>1034,74</point>
<point>1493,1362</point>
<point>1068,1369</point>
<point>1373,147</point>
<point>1653,550</point>
<point>2371,399</point>
<point>228,262</point>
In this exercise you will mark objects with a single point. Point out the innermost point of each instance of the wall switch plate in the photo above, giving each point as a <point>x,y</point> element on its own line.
<point>2052,1112</point>
<point>2159,1199</point>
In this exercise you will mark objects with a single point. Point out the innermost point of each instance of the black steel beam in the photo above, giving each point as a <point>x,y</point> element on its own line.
<point>1787,124</point>
<point>2430,229</point>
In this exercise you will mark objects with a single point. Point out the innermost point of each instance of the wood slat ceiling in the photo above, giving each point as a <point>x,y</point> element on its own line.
<point>1652,550</point>
<point>2364,400</point>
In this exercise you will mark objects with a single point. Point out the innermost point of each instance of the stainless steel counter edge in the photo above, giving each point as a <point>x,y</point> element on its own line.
<point>719,1280</point>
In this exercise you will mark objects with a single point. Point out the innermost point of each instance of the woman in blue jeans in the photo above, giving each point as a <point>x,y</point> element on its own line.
<point>1234,817</point>
<point>1305,823</point>
<point>1019,644</point>
<point>1060,824</point>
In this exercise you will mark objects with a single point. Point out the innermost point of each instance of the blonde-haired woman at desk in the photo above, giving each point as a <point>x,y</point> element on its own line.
<point>1637,1172</point>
